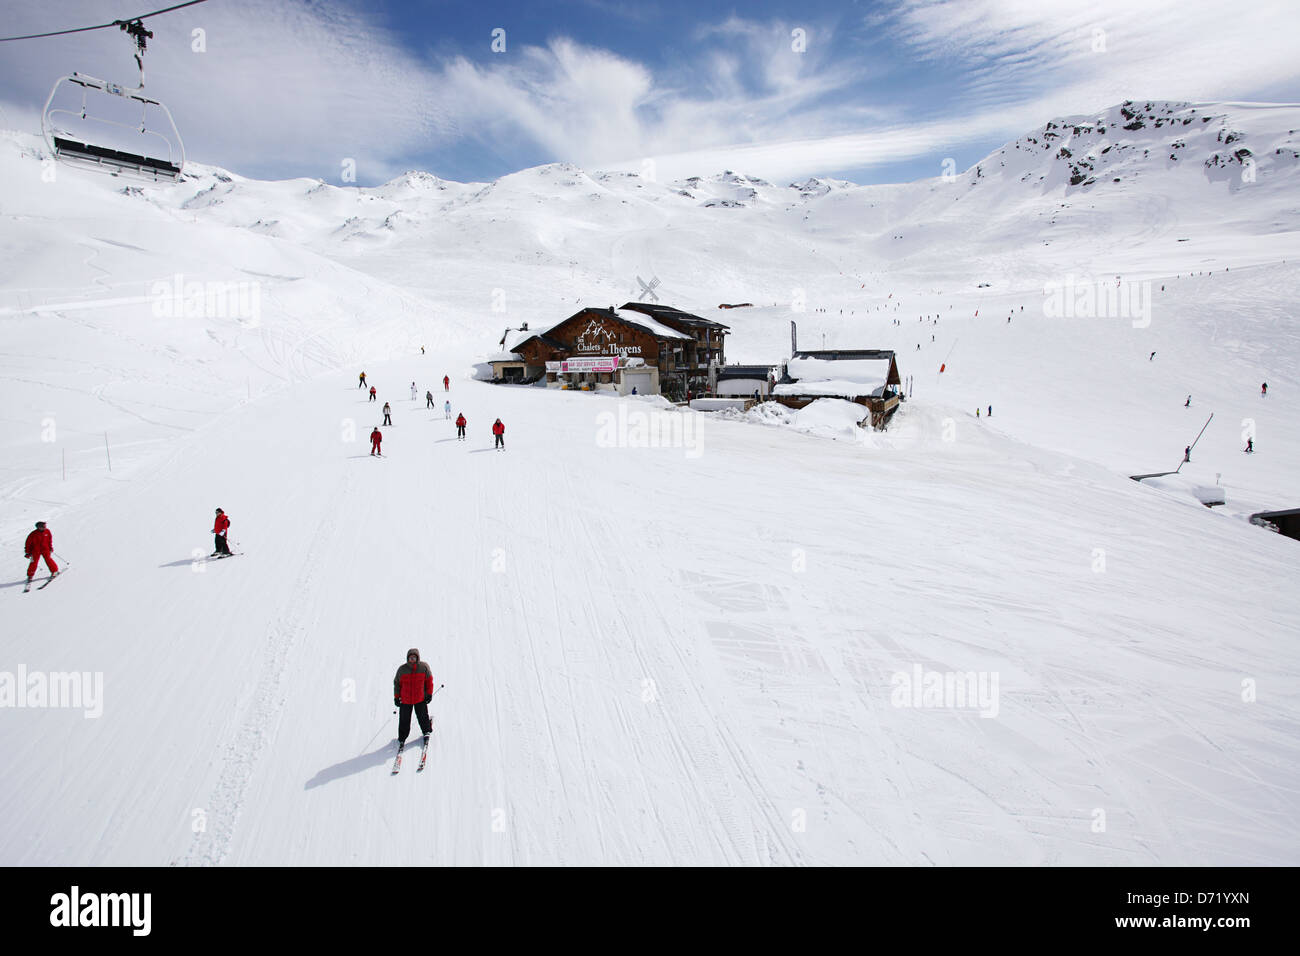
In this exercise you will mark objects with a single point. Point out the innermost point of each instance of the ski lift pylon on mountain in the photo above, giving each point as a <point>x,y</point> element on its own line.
<point>159,156</point>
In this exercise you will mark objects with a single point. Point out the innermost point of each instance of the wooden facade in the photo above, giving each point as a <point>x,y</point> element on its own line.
<point>678,345</point>
<point>692,360</point>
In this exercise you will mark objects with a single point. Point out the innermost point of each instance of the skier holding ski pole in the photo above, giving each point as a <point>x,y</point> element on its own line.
<point>220,527</point>
<point>40,545</point>
<point>412,690</point>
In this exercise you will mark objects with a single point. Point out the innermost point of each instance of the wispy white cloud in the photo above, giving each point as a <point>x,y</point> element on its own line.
<point>304,87</point>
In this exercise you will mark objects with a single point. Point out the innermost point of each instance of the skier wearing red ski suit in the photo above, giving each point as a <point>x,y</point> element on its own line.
<point>460,426</point>
<point>40,544</point>
<point>375,438</point>
<point>500,431</point>
<point>413,688</point>
<point>219,528</point>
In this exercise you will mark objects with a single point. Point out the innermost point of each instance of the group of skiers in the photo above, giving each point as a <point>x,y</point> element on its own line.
<point>39,545</point>
<point>377,437</point>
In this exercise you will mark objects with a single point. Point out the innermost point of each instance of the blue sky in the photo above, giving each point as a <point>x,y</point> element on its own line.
<point>871,92</point>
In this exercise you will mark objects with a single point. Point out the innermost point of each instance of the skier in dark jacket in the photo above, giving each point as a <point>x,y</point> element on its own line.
<point>40,544</point>
<point>413,688</point>
<point>220,528</point>
<point>428,399</point>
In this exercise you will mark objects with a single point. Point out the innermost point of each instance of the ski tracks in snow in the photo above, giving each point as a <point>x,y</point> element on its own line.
<point>243,753</point>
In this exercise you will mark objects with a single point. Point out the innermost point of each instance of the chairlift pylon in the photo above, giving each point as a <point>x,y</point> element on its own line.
<point>67,131</point>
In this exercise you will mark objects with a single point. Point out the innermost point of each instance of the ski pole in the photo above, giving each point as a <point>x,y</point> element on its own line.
<point>61,557</point>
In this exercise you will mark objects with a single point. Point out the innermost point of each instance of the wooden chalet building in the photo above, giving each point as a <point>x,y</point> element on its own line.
<point>653,349</point>
<point>866,376</point>
<point>693,359</point>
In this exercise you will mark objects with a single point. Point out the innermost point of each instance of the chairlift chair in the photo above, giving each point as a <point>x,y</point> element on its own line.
<point>65,129</point>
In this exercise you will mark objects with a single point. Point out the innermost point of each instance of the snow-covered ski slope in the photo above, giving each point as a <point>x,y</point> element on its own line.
<point>690,654</point>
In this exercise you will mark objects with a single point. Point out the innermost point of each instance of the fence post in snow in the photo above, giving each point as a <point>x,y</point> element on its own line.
<point>107,453</point>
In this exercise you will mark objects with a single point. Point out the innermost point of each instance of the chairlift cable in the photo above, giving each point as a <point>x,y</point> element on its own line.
<point>104,26</point>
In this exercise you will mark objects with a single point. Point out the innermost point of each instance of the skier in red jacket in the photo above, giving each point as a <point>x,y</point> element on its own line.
<point>413,688</point>
<point>219,528</point>
<point>446,384</point>
<point>40,544</point>
<point>500,431</point>
<point>460,426</point>
<point>375,438</point>
<point>372,393</point>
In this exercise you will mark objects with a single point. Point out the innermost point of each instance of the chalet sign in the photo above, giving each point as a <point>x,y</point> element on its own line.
<point>596,338</point>
<point>590,363</point>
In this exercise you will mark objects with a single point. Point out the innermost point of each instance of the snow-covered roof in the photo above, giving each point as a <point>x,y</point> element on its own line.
<point>637,319</point>
<point>649,324</point>
<point>506,357</point>
<point>831,388</point>
<point>851,378</point>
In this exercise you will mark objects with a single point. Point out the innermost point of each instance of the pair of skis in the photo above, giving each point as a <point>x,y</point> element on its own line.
<point>424,755</point>
<point>42,587</point>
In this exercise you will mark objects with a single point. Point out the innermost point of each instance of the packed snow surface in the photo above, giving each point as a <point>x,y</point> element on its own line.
<point>660,636</point>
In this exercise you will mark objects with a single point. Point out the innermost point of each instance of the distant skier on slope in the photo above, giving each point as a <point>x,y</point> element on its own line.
<point>428,399</point>
<point>1263,389</point>
<point>500,431</point>
<point>460,426</point>
<point>1250,445</point>
<point>376,437</point>
<point>372,393</point>
<point>446,384</point>
<point>1187,454</point>
<point>1188,403</point>
<point>388,414</point>
<point>362,382</point>
<point>414,392</point>
<point>413,688</point>
<point>220,528</point>
<point>446,410</point>
<point>40,544</point>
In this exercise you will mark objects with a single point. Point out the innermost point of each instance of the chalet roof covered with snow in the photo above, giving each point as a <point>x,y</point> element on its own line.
<point>643,322</point>
<point>846,373</point>
<point>669,314</point>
